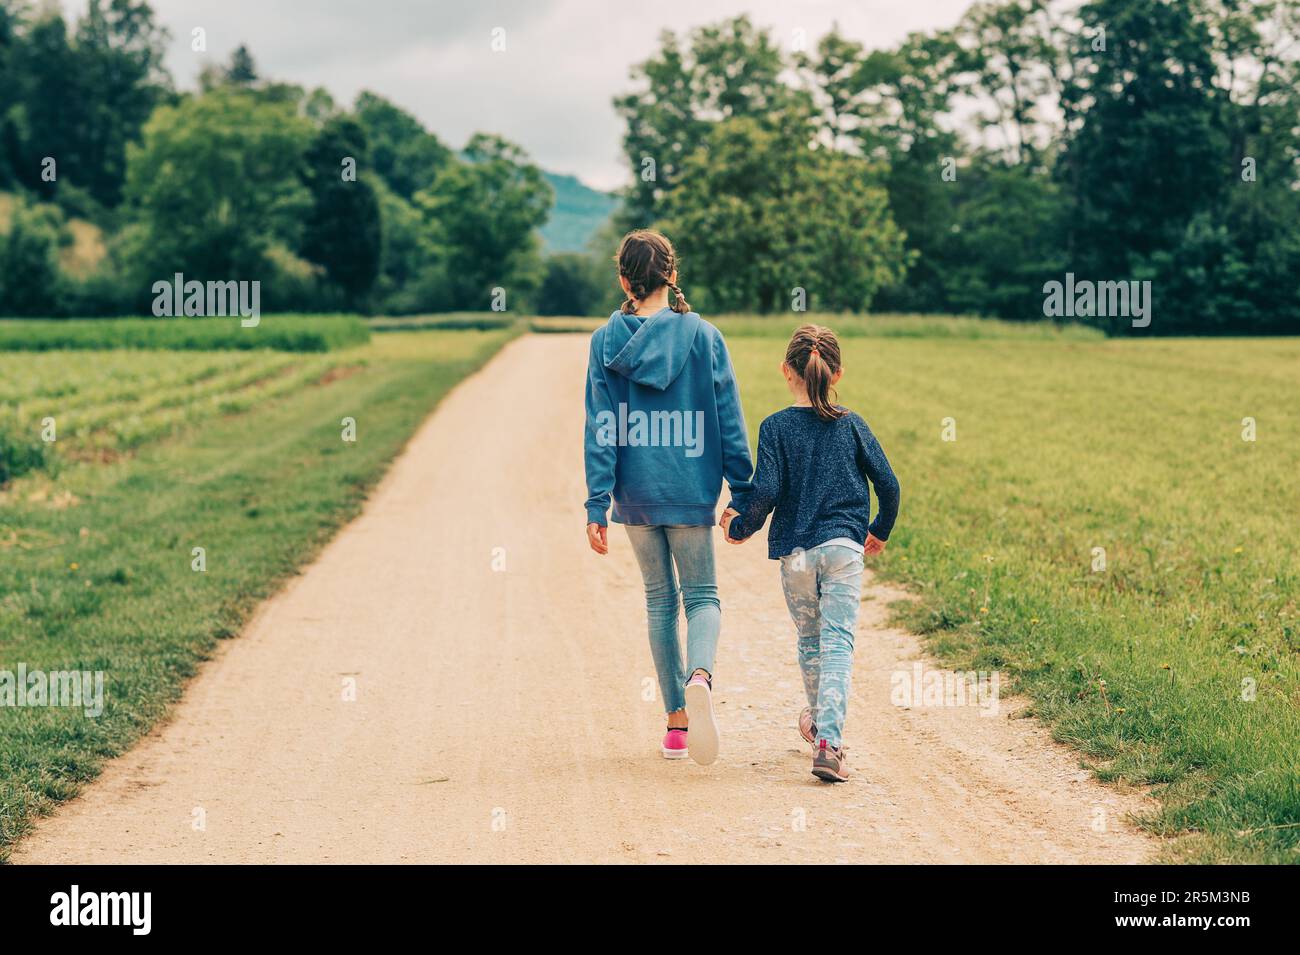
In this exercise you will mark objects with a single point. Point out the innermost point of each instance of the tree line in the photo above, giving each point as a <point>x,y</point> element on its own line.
<point>961,171</point>
<point>246,178</point>
<point>965,168</point>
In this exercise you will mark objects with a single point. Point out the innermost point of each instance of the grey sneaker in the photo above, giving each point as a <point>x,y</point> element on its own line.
<point>830,764</point>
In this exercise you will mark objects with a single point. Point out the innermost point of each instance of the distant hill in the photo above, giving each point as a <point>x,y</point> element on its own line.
<point>579,211</point>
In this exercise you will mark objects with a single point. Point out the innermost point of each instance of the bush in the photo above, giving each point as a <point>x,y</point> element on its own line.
<point>30,280</point>
<point>19,457</point>
<point>577,284</point>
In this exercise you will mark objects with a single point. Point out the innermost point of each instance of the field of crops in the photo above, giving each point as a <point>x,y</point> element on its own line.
<point>78,405</point>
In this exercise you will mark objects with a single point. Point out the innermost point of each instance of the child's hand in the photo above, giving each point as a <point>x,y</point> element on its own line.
<point>874,545</point>
<point>596,537</point>
<point>725,524</point>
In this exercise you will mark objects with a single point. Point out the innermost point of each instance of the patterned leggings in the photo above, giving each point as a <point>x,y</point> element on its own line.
<point>823,588</point>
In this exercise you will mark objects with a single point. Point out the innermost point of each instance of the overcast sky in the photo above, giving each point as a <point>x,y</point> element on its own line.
<point>550,90</point>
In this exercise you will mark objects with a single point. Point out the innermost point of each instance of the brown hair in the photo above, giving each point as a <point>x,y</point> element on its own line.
<point>814,355</point>
<point>647,260</point>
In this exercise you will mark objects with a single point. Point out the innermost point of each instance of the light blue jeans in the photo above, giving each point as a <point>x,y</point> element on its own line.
<point>657,548</point>
<point>823,588</point>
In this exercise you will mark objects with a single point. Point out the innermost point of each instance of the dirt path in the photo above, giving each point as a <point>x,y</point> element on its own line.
<point>499,712</point>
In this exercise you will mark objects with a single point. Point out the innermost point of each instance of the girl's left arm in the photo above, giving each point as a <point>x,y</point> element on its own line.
<point>873,463</point>
<point>737,465</point>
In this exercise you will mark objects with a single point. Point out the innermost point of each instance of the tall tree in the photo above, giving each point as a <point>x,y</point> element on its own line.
<point>342,230</point>
<point>208,188</point>
<point>242,70</point>
<point>1152,150</point>
<point>79,97</point>
<point>485,212</point>
<point>760,214</point>
<point>403,152</point>
<point>723,71</point>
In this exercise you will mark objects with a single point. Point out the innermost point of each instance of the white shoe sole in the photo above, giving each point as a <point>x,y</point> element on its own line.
<point>674,753</point>
<point>703,737</point>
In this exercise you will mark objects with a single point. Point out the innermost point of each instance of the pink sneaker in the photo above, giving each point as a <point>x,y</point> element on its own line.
<point>675,746</point>
<point>807,728</point>
<point>699,713</point>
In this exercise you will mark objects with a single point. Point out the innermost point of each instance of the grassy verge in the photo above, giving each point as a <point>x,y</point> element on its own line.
<point>451,321</point>
<point>295,333</point>
<point>1178,664</point>
<point>95,564</point>
<point>860,326</point>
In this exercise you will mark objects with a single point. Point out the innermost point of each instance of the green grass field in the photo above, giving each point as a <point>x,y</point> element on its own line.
<point>1178,666</point>
<point>96,552</point>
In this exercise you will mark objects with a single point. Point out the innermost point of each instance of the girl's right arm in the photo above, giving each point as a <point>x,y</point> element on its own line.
<point>600,455</point>
<point>751,508</point>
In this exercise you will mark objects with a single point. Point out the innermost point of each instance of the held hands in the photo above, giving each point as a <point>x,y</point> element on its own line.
<point>725,524</point>
<point>597,538</point>
<point>874,545</point>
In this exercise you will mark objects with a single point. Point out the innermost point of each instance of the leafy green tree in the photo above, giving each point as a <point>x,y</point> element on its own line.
<point>833,75</point>
<point>81,97</point>
<point>731,69</point>
<point>342,231</point>
<point>485,211</point>
<point>576,283</point>
<point>759,213</point>
<point>1005,240</point>
<point>899,122</point>
<point>30,281</point>
<point>242,70</point>
<point>1152,150</point>
<point>410,279</point>
<point>406,155</point>
<point>1004,64</point>
<point>211,186</point>
<point>8,81</point>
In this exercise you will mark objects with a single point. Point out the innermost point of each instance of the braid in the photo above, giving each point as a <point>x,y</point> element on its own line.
<point>681,306</point>
<point>646,261</point>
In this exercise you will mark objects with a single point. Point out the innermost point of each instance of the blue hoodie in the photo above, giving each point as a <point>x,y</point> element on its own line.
<point>664,424</point>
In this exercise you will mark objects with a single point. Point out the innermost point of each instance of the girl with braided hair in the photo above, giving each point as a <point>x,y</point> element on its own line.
<point>664,427</point>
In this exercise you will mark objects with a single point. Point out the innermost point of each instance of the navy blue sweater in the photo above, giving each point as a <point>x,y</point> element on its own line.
<point>814,473</point>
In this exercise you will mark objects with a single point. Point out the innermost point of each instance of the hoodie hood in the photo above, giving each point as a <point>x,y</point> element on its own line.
<point>652,351</point>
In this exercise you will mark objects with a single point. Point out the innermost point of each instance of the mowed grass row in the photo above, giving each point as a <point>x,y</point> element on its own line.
<point>91,402</point>
<point>1178,665</point>
<point>95,561</point>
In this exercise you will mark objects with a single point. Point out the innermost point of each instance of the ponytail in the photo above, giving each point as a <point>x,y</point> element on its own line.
<point>814,354</point>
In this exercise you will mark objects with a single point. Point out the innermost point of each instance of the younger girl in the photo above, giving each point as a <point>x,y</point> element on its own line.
<point>663,428</point>
<point>814,461</point>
